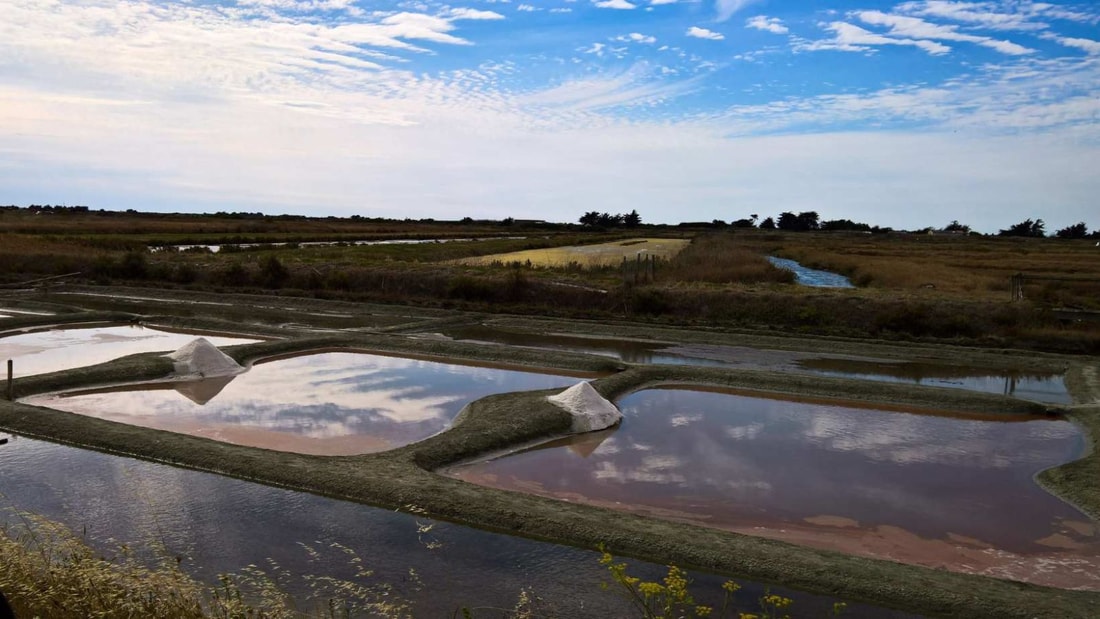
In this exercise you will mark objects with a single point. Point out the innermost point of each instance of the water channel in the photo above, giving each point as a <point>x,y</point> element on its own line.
<point>806,276</point>
<point>333,403</point>
<point>221,525</point>
<point>67,348</point>
<point>929,490</point>
<point>217,248</point>
<point>1036,386</point>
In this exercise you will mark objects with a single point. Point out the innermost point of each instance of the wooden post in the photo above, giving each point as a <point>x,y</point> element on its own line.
<point>11,388</point>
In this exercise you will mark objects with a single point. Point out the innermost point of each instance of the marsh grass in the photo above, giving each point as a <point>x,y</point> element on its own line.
<point>720,259</point>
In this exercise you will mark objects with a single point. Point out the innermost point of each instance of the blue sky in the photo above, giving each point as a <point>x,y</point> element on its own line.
<point>905,114</point>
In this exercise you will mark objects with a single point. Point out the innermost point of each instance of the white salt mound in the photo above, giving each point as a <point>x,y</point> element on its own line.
<point>203,359</point>
<point>590,410</point>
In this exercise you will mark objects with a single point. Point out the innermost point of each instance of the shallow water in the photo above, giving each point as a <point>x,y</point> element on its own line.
<point>221,525</point>
<point>1038,387</point>
<point>922,489</point>
<point>217,248</point>
<point>67,348</point>
<point>334,403</point>
<point>811,277</point>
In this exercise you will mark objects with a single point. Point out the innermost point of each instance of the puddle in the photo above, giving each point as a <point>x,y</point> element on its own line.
<point>333,403</point>
<point>221,525</point>
<point>936,491</point>
<point>64,349</point>
<point>811,277</point>
<point>1037,387</point>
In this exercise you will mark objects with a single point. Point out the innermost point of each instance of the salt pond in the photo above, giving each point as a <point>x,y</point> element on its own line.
<point>220,525</point>
<point>72,347</point>
<point>811,277</point>
<point>1032,386</point>
<point>929,490</point>
<point>333,403</point>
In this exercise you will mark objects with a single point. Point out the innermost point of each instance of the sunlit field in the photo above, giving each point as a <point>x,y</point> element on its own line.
<point>603,254</point>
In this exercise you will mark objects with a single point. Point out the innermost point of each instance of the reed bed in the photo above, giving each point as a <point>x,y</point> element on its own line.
<point>720,259</point>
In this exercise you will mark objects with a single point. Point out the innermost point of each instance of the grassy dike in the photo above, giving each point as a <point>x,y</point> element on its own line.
<point>403,478</point>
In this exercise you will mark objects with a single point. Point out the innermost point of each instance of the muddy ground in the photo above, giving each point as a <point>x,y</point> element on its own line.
<point>405,479</point>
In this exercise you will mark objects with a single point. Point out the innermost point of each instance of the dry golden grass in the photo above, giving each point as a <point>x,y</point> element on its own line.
<point>720,259</point>
<point>970,267</point>
<point>588,256</point>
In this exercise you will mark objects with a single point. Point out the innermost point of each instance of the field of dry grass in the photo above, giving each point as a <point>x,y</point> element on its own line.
<point>587,256</point>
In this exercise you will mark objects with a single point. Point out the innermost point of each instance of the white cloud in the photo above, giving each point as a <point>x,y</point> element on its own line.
<point>852,38</point>
<point>703,33</point>
<point>635,37</point>
<point>474,14</point>
<point>916,28</point>
<point>1089,46</point>
<point>768,24</point>
<point>660,2</point>
<point>614,4</point>
<point>726,8</point>
<point>1004,15</point>
<point>561,10</point>
<point>527,8</point>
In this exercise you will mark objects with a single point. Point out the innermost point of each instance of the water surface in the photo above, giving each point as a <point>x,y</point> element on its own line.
<point>67,348</point>
<point>1036,386</point>
<point>1042,387</point>
<point>909,487</point>
<point>221,525</point>
<point>334,403</point>
<point>811,277</point>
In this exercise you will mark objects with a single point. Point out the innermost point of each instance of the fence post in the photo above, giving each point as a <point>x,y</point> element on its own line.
<point>11,387</point>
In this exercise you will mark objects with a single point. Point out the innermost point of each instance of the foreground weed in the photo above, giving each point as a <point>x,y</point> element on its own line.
<point>670,598</point>
<point>49,572</point>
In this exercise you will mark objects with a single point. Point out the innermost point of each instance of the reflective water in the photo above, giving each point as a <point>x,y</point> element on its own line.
<point>217,248</point>
<point>811,277</point>
<point>334,403</point>
<point>1038,387</point>
<point>923,489</point>
<point>221,525</point>
<point>67,348</point>
<point>1035,386</point>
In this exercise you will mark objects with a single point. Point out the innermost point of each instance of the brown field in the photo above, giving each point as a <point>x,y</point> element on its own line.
<point>945,287</point>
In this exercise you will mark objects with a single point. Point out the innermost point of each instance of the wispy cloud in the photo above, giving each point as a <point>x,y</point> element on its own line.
<point>851,38</point>
<point>918,29</point>
<point>726,8</point>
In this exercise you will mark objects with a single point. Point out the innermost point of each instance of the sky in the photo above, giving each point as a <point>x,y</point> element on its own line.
<point>902,114</point>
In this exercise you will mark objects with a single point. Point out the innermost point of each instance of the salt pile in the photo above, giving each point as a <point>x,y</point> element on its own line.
<point>202,359</point>
<point>590,410</point>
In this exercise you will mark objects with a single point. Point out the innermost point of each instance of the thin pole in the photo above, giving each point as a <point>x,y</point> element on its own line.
<point>11,388</point>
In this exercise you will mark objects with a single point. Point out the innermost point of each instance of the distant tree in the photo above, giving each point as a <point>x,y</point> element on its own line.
<point>955,226</point>
<point>1026,227</point>
<point>787,221</point>
<point>767,224</point>
<point>632,219</point>
<point>1077,231</point>
<point>806,220</point>
<point>590,218</point>
<point>718,223</point>
<point>608,220</point>
<point>845,224</point>
<point>743,223</point>
<point>507,221</point>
